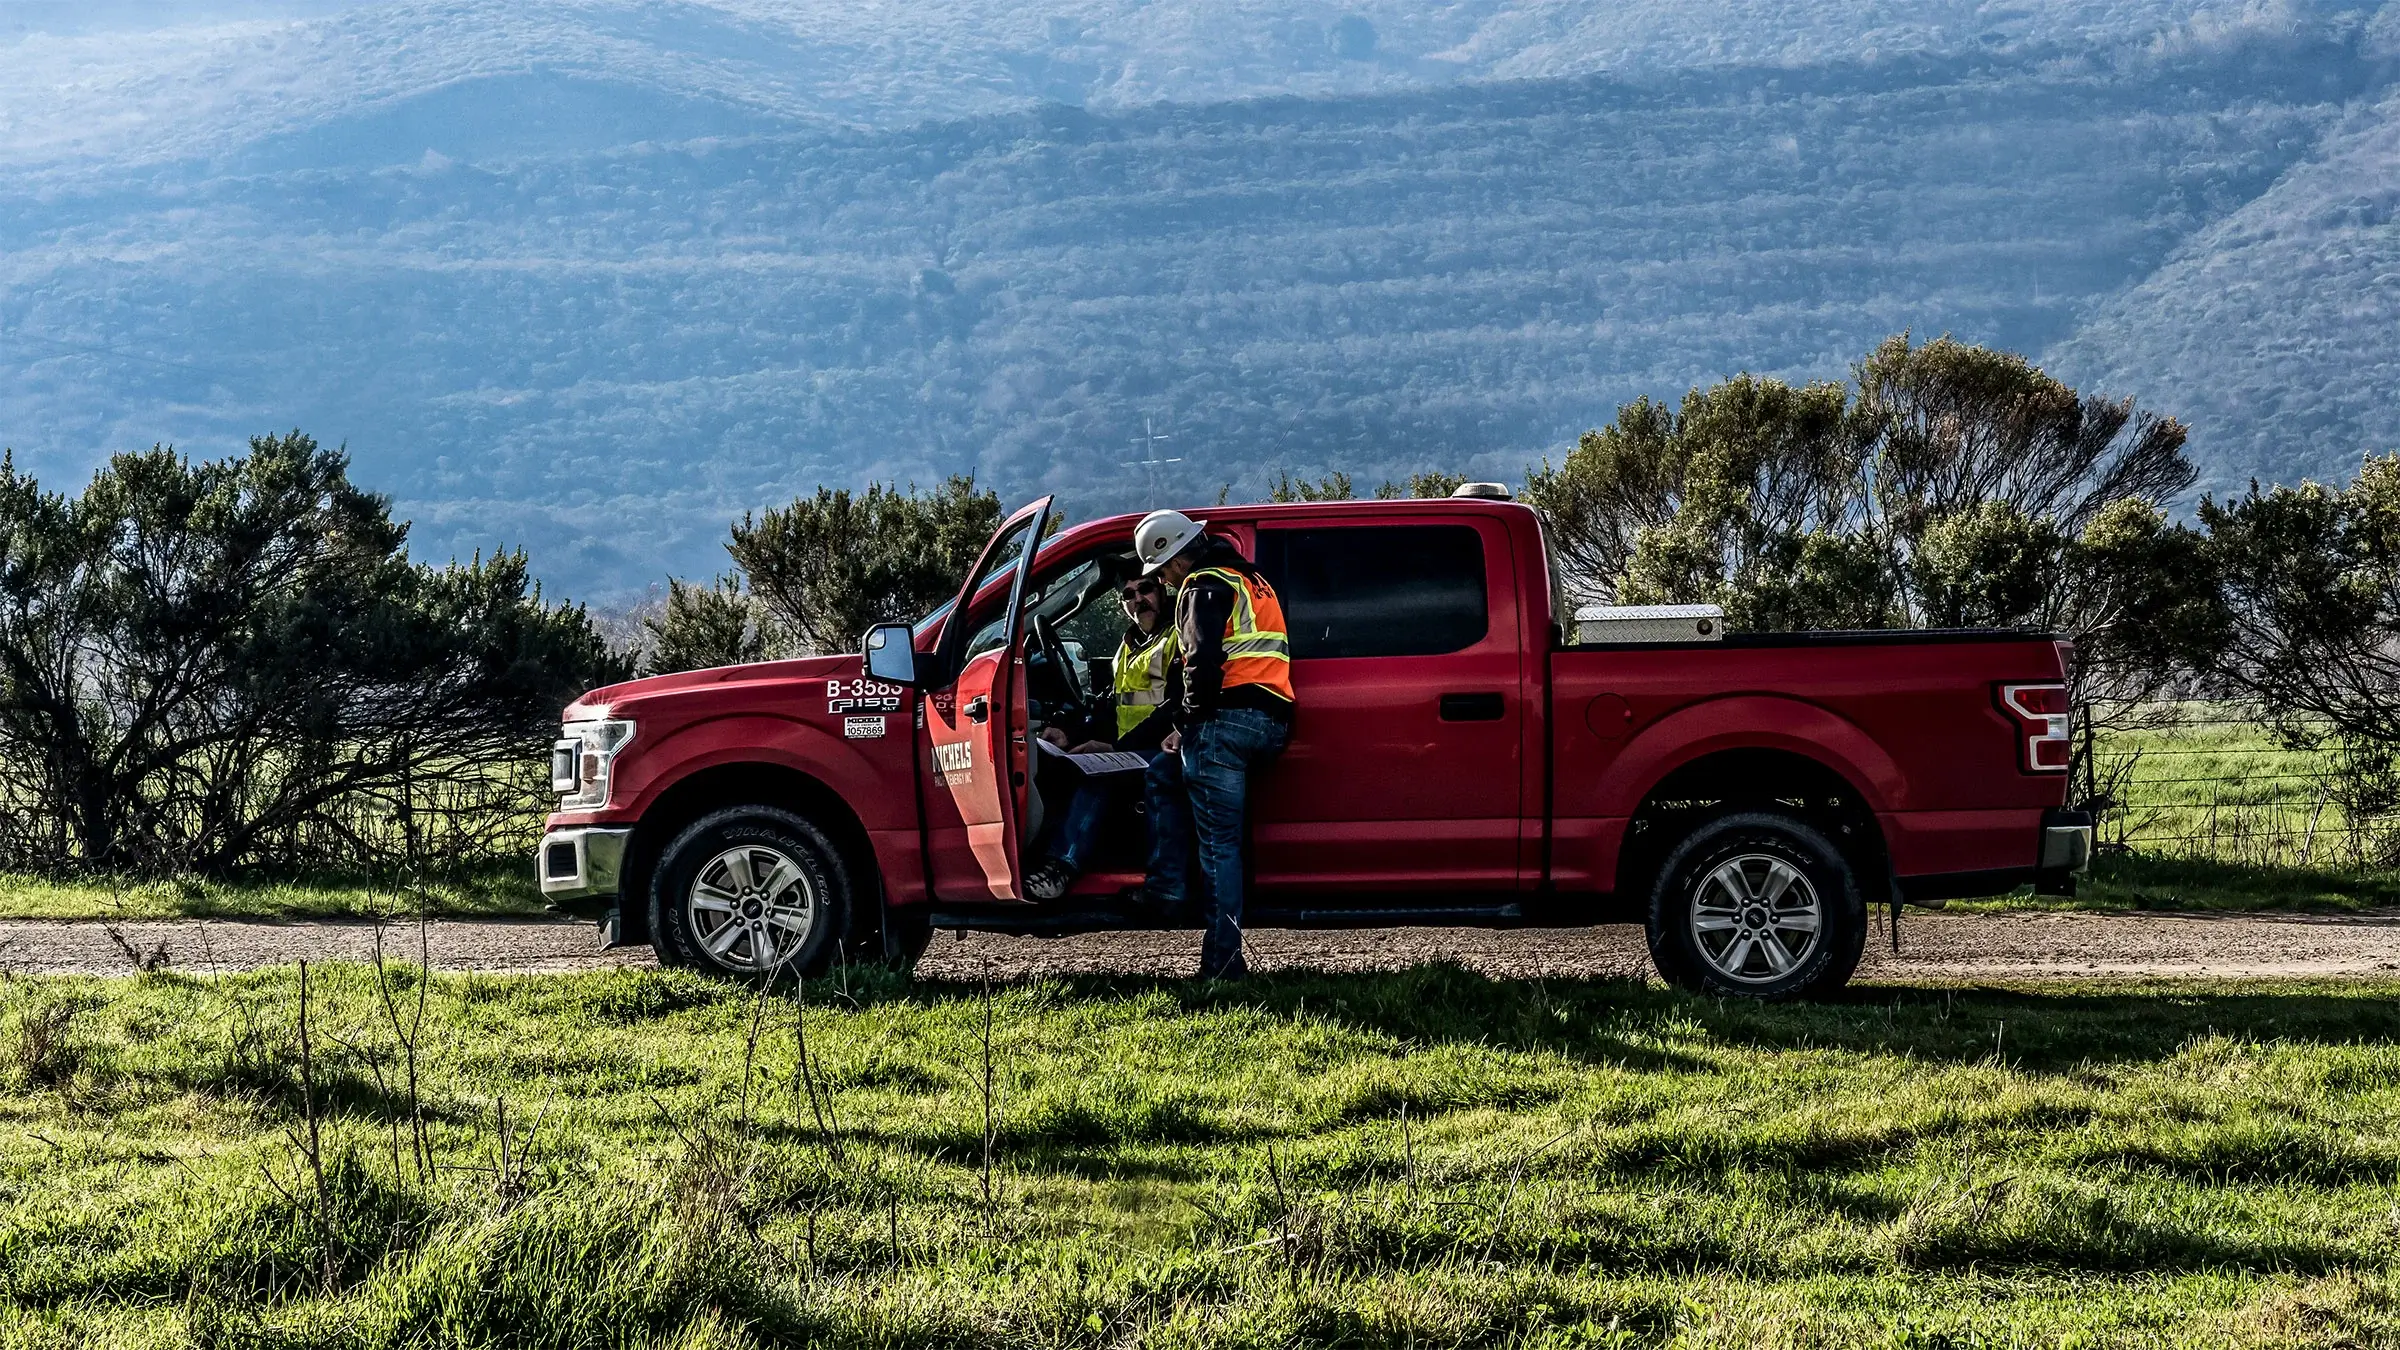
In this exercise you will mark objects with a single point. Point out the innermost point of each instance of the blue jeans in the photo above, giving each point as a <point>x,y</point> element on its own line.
<point>1196,803</point>
<point>1079,829</point>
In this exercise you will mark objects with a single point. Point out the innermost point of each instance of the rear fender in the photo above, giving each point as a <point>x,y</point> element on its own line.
<point>1751,722</point>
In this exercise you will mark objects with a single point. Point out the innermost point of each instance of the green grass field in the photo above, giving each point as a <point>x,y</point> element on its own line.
<point>1417,1159</point>
<point>2210,784</point>
<point>499,890</point>
<point>2124,882</point>
<point>2217,816</point>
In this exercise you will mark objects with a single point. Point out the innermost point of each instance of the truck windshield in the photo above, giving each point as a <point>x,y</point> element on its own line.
<point>1012,553</point>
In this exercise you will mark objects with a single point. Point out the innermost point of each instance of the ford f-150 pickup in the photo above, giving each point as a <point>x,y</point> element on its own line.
<point>1459,756</point>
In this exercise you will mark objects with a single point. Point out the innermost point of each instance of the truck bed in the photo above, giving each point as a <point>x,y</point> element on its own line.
<point>1909,721</point>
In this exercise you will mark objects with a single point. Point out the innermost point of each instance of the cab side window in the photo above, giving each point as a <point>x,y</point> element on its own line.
<point>1378,590</point>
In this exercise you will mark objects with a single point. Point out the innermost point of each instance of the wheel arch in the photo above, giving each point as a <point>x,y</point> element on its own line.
<point>1751,778</point>
<point>740,783</point>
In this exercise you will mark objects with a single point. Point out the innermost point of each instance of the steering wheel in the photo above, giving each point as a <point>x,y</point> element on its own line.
<point>1070,675</point>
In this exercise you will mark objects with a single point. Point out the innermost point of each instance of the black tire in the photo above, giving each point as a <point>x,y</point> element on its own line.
<point>1727,910</point>
<point>891,938</point>
<point>791,920</point>
<point>903,935</point>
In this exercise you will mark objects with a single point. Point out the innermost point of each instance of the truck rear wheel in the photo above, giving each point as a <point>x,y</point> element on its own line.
<point>1760,905</point>
<point>751,893</point>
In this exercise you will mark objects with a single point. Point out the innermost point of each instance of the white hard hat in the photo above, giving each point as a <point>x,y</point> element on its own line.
<point>1162,535</point>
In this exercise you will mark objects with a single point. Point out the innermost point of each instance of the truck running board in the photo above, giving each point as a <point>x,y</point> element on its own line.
<point>1412,916</point>
<point>1027,921</point>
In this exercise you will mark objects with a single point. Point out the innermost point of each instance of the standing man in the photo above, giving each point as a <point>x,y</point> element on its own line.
<point>1141,723</point>
<point>1234,716</point>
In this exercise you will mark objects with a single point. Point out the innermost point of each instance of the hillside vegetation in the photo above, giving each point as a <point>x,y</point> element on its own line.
<point>596,282</point>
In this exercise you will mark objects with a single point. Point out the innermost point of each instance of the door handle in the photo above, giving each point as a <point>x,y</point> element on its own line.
<point>1473,707</point>
<point>979,709</point>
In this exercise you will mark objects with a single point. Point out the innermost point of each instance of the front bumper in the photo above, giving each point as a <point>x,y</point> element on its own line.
<point>580,864</point>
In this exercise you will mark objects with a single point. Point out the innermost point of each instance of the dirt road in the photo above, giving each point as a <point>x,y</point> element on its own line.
<point>1933,946</point>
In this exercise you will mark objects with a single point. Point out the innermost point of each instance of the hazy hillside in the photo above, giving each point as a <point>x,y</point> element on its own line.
<point>2276,330</point>
<point>597,277</point>
<point>132,79</point>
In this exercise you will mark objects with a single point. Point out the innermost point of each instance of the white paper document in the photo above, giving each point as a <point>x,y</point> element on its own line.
<point>1102,761</point>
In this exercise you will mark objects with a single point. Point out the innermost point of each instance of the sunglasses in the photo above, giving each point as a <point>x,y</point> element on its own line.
<point>1139,588</point>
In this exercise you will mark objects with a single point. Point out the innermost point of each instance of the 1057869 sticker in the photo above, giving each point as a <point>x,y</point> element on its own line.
<point>862,728</point>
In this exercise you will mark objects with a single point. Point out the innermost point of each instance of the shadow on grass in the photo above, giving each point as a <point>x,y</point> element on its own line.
<point>272,1083</point>
<point>1644,1027</point>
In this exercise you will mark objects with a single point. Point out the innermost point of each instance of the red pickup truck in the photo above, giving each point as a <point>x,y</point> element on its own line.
<point>1455,759</point>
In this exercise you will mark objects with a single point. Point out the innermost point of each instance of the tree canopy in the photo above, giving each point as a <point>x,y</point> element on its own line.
<point>1945,485</point>
<point>209,665</point>
<point>815,575</point>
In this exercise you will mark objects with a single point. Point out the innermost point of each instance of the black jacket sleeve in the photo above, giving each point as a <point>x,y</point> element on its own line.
<point>1201,612</point>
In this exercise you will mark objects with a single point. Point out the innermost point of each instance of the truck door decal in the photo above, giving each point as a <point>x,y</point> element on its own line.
<point>954,764</point>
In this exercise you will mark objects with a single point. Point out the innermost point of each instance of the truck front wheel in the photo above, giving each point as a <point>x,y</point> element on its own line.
<point>751,893</point>
<point>1760,905</point>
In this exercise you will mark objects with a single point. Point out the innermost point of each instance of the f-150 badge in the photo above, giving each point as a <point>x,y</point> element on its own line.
<point>843,696</point>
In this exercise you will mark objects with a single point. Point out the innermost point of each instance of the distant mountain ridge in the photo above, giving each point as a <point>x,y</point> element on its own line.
<point>570,276</point>
<point>133,80</point>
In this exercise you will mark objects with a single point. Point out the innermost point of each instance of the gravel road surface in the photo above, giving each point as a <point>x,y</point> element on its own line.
<point>1932,946</point>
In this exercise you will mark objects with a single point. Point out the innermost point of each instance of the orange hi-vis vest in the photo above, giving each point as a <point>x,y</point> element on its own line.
<point>1258,648</point>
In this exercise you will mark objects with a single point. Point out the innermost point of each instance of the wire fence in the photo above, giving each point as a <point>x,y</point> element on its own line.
<point>453,816</point>
<point>2206,781</point>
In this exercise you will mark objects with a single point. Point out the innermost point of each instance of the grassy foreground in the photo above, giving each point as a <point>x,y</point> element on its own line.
<point>1423,1158</point>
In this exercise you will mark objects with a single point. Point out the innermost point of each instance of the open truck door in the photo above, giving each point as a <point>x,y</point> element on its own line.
<point>972,747</point>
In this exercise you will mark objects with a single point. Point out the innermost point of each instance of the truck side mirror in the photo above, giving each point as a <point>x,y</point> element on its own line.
<point>891,654</point>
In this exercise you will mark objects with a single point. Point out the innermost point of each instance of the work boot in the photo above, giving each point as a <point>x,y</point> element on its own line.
<point>1050,880</point>
<point>1143,900</point>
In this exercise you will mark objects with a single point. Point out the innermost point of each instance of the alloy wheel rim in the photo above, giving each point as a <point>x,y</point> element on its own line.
<point>1756,918</point>
<point>752,908</point>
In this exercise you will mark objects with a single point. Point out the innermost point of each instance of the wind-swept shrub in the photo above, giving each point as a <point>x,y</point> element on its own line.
<point>205,666</point>
<point>2312,583</point>
<point>1947,485</point>
<point>829,567</point>
<point>707,626</point>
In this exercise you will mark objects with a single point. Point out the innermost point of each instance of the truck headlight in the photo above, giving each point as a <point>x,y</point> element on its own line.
<point>580,760</point>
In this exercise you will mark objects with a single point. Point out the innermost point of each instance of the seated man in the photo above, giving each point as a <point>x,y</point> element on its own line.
<point>1143,662</point>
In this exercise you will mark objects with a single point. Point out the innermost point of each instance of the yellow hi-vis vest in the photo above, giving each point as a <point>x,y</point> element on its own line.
<point>1258,649</point>
<point>1141,678</point>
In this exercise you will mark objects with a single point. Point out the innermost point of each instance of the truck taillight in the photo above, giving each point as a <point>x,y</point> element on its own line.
<point>2045,722</point>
